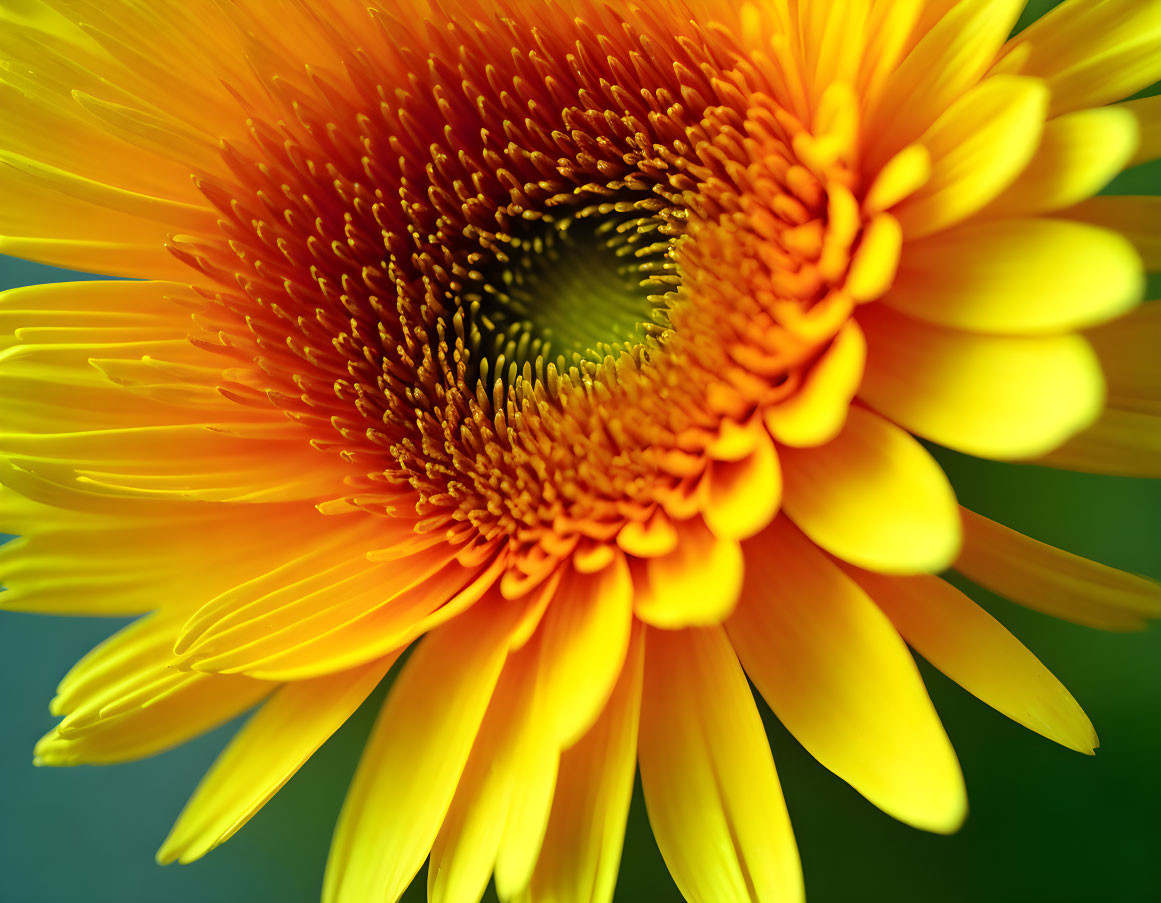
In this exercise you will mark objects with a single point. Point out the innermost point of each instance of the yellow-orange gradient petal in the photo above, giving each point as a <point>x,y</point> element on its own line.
<point>1079,154</point>
<point>584,637</point>
<point>465,849</point>
<point>875,497</point>
<point>126,699</point>
<point>993,396</point>
<point>696,584</point>
<point>1019,277</point>
<point>1053,581</point>
<point>265,754</point>
<point>582,846</point>
<point>973,649</point>
<point>1121,443</point>
<point>978,148</point>
<point>1147,113</point>
<point>1137,218</point>
<point>1127,348</point>
<point>945,63</point>
<point>744,495</point>
<point>817,411</point>
<point>836,673</point>
<point>1092,53</point>
<point>710,787</point>
<point>416,754</point>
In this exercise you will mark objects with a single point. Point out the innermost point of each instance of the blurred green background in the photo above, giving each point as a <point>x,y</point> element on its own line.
<point>1047,825</point>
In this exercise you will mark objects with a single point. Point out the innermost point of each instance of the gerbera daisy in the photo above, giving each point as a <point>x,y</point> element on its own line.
<point>585,347</point>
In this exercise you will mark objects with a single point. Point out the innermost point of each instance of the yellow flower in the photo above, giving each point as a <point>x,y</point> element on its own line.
<point>585,346</point>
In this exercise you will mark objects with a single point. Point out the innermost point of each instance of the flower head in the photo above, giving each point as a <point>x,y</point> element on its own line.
<point>583,346</point>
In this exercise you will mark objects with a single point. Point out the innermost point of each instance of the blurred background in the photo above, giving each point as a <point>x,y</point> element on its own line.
<point>1046,826</point>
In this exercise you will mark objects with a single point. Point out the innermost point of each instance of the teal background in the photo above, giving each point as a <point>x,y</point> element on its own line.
<point>1046,826</point>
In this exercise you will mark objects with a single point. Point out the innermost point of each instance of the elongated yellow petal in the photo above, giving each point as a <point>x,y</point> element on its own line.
<point>129,559</point>
<point>973,649</point>
<point>413,761</point>
<point>696,584</point>
<point>1121,443</point>
<point>838,676</point>
<point>1137,218</point>
<point>874,496</point>
<point>586,829</point>
<point>710,785</point>
<point>1054,581</point>
<point>176,215</point>
<point>992,396</point>
<point>265,754</point>
<point>1147,113</point>
<point>1079,154</point>
<point>110,258</point>
<point>126,700</point>
<point>948,60</point>
<point>978,148</point>
<point>1093,53</point>
<point>329,608</point>
<point>1019,277</point>
<point>901,176</point>
<point>464,852</point>
<point>584,636</point>
<point>537,761</point>
<point>1127,348</point>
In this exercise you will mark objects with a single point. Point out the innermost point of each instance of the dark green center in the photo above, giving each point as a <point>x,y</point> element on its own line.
<point>566,294</point>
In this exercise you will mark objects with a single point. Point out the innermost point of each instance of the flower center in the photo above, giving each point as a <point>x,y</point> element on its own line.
<point>562,295</point>
<point>526,305</point>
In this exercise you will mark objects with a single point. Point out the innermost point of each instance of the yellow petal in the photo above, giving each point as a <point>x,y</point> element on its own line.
<point>538,758</point>
<point>836,673</point>
<point>816,412</point>
<point>1054,581</point>
<point>696,584</point>
<point>1147,113</point>
<point>58,344</point>
<point>264,755</point>
<point>582,847</point>
<point>464,852</point>
<point>1019,276</point>
<point>1137,218</point>
<point>948,60</point>
<point>876,260</point>
<point>126,700</point>
<point>744,495</point>
<point>973,649</point>
<point>535,754</point>
<point>991,396</point>
<point>978,148</point>
<point>109,258</point>
<point>1127,348</point>
<point>128,559</point>
<point>328,609</point>
<point>584,636</point>
<point>415,756</point>
<point>1121,443</point>
<point>901,176</point>
<point>710,786</point>
<point>874,496</point>
<point>1093,53</point>
<point>1079,154</point>
<point>171,214</point>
